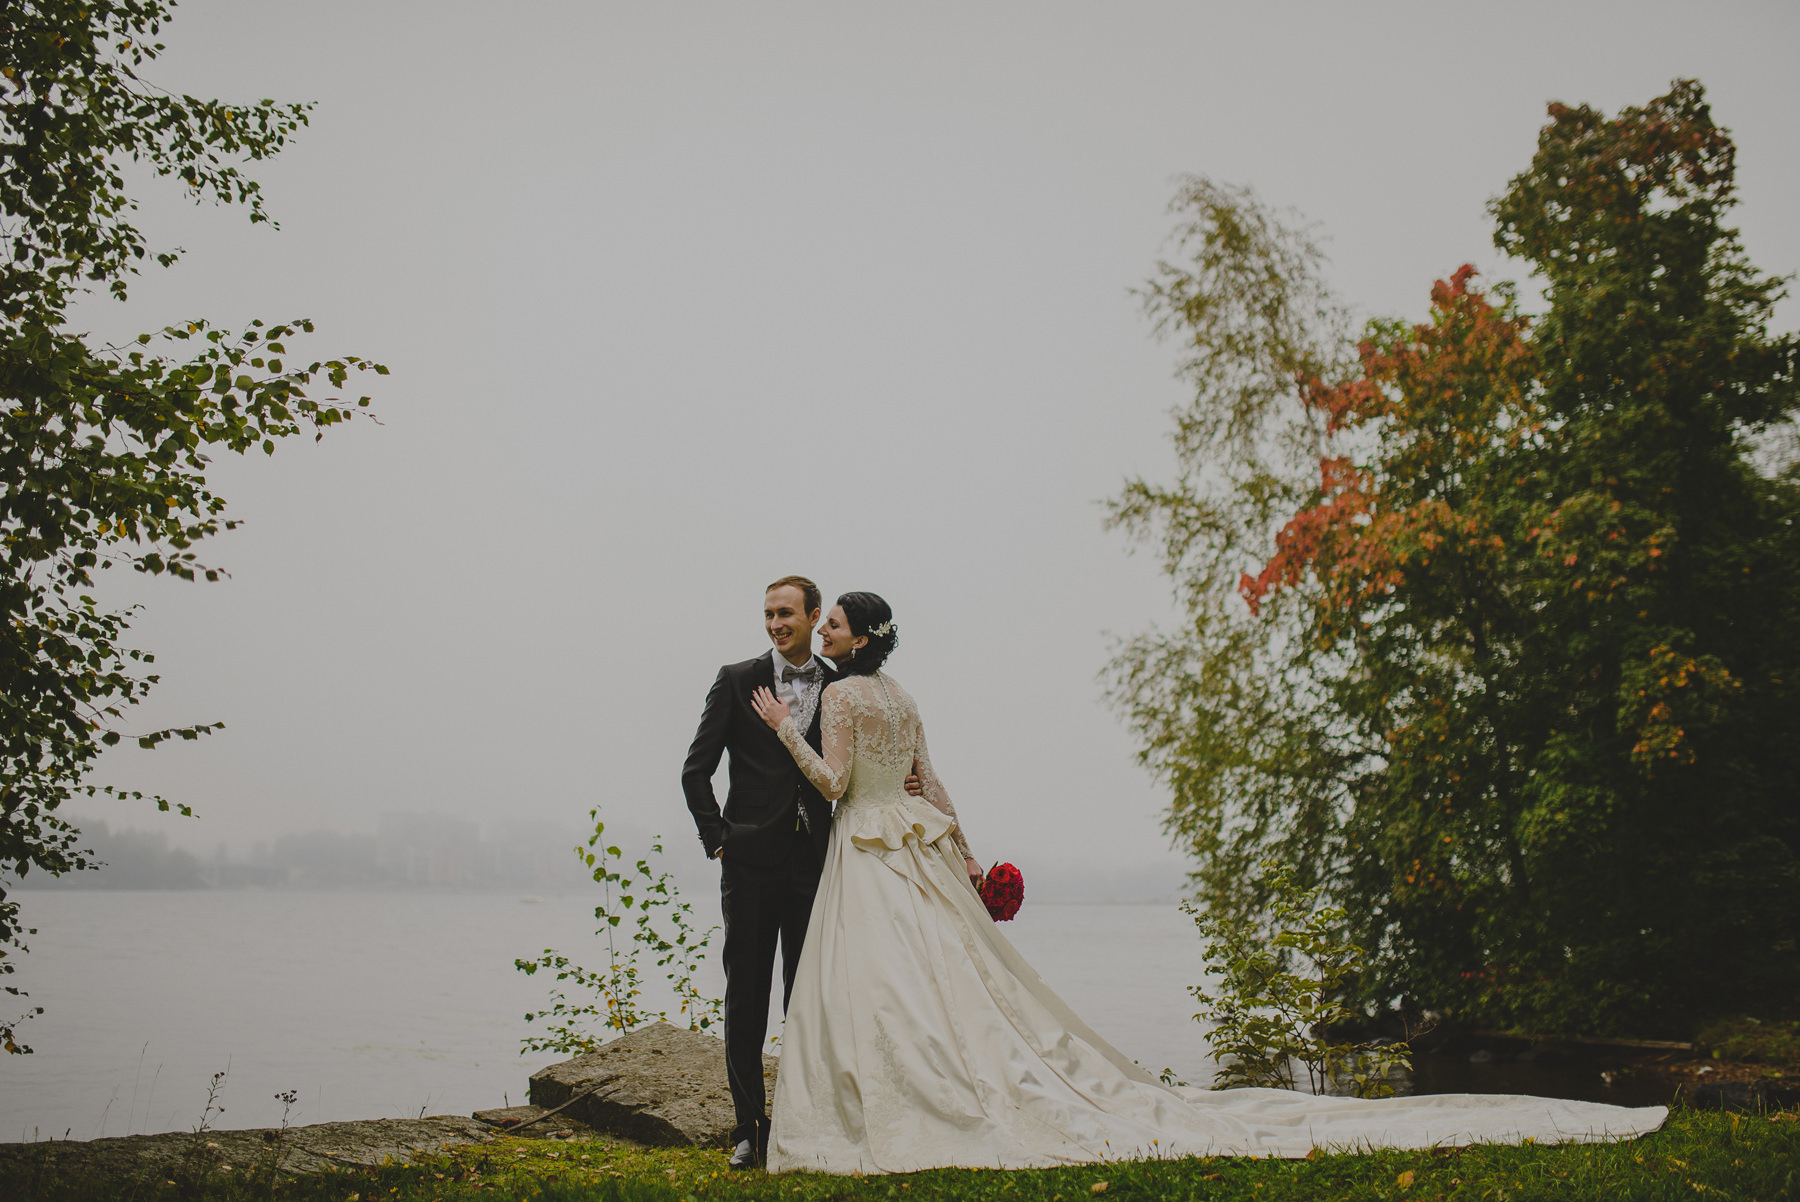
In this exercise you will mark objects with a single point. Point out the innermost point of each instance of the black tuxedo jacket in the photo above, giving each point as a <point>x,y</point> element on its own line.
<point>767,787</point>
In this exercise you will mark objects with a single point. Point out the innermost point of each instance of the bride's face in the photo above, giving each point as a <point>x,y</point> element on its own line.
<point>835,640</point>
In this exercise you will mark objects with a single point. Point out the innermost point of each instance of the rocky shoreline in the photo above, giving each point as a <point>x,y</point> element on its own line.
<point>296,1150</point>
<point>665,1086</point>
<point>1622,1072</point>
<point>660,1085</point>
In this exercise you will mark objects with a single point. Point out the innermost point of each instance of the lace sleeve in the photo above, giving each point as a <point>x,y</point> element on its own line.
<point>830,773</point>
<point>936,794</point>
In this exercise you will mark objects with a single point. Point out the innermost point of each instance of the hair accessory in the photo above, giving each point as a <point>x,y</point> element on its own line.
<point>883,630</point>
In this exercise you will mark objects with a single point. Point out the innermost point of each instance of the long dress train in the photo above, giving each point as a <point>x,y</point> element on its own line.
<point>917,1037</point>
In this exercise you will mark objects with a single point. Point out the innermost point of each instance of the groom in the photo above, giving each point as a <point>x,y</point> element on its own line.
<point>770,838</point>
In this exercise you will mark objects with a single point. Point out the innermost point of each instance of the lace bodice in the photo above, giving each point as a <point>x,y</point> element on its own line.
<point>871,738</point>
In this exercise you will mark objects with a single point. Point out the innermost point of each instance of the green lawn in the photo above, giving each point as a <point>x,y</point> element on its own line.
<point>1697,1155</point>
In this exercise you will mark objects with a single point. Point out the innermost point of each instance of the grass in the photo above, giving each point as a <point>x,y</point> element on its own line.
<point>1696,1155</point>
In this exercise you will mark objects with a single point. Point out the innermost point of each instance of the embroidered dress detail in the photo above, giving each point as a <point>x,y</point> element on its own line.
<point>870,739</point>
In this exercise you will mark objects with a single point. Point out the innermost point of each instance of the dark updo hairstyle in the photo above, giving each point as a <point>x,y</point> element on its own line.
<point>866,611</point>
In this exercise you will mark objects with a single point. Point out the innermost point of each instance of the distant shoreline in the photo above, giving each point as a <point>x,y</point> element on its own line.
<point>520,893</point>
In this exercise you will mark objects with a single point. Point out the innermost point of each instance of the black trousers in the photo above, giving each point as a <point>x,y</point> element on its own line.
<point>763,905</point>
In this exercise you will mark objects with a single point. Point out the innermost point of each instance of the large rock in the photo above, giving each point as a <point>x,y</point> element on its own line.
<point>658,1085</point>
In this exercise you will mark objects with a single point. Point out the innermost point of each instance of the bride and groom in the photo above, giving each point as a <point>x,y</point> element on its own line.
<point>917,1037</point>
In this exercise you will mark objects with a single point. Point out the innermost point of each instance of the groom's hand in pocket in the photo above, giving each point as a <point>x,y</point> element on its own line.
<point>725,832</point>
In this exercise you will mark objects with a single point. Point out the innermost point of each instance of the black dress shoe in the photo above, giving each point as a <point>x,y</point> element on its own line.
<point>744,1155</point>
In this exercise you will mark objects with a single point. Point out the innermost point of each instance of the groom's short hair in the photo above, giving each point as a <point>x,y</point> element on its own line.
<point>810,591</point>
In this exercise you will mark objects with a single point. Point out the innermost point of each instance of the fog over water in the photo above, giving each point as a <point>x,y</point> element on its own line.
<point>679,299</point>
<point>422,1010</point>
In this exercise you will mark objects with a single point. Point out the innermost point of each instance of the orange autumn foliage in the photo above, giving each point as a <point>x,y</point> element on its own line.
<point>1438,393</point>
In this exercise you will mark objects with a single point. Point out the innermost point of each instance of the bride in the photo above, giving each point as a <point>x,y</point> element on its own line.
<point>917,1037</point>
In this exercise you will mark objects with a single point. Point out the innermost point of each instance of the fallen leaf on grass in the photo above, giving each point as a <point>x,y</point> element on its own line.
<point>1099,1187</point>
<point>1405,1179</point>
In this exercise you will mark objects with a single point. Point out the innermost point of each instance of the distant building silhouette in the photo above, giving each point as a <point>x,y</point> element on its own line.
<point>407,850</point>
<point>131,860</point>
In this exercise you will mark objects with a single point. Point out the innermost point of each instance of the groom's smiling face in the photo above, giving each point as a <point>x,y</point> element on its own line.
<point>790,627</point>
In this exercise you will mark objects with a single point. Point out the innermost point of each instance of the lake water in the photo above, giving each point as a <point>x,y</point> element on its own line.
<point>386,1004</point>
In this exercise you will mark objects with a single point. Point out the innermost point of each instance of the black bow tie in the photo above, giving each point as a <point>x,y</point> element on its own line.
<point>791,673</point>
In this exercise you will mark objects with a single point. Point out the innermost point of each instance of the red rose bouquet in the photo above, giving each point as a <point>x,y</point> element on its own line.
<point>1002,891</point>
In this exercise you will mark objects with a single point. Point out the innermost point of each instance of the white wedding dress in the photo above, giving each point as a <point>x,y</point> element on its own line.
<point>917,1037</point>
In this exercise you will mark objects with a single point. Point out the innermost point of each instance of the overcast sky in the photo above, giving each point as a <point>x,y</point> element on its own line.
<point>681,297</point>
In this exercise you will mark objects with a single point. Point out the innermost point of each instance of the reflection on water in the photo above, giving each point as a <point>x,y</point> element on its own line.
<point>1507,1066</point>
<point>1575,1078</point>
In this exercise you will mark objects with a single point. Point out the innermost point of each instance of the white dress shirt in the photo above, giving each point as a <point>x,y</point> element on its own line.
<point>802,708</point>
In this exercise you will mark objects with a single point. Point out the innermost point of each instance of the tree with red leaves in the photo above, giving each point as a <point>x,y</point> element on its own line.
<point>1520,611</point>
